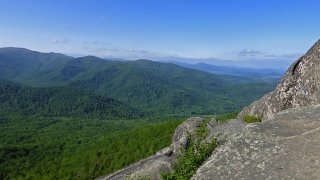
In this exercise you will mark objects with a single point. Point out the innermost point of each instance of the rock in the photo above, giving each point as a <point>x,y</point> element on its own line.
<point>285,146</point>
<point>149,167</point>
<point>152,170</point>
<point>166,151</point>
<point>299,87</point>
<point>224,131</point>
<point>180,137</point>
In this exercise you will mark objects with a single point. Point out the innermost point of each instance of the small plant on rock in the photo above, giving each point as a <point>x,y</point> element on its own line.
<point>191,157</point>
<point>251,119</point>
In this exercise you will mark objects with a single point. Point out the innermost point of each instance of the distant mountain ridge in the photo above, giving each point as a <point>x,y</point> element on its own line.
<point>258,73</point>
<point>162,88</point>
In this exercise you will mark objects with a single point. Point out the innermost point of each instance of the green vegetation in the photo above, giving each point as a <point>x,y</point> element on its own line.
<point>159,88</point>
<point>251,119</point>
<point>225,117</point>
<point>61,101</point>
<point>190,159</point>
<point>76,148</point>
<point>86,117</point>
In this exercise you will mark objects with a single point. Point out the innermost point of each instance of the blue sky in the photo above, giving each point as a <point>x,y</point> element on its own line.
<point>163,29</point>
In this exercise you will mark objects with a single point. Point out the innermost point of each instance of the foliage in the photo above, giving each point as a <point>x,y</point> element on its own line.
<point>192,157</point>
<point>251,119</point>
<point>160,88</point>
<point>61,101</point>
<point>76,148</point>
<point>228,116</point>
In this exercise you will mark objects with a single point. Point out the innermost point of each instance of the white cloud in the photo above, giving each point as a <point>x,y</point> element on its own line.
<point>255,54</point>
<point>61,41</point>
<point>249,53</point>
<point>97,43</point>
<point>123,53</point>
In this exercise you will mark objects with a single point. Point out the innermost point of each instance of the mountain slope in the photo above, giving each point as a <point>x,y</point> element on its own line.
<point>163,88</point>
<point>23,65</point>
<point>60,101</point>
<point>168,88</point>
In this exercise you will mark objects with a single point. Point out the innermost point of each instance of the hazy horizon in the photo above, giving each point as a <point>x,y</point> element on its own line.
<point>270,32</point>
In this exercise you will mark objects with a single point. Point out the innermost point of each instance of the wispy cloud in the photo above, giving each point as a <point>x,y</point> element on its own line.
<point>249,53</point>
<point>61,41</point>
<point>97,43</point>
<point>124,53</point>
<point>255,54</point>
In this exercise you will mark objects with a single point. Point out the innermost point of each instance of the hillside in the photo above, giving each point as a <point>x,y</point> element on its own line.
<point>23,65</point>
<point>161,88</point>
<point>60,101</point>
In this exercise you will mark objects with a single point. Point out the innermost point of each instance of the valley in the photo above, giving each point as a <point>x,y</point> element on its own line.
<point>81,118</point>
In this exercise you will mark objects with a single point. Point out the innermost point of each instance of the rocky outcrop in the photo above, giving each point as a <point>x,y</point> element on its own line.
<point>285,146</point>
<point>299,87</point>
<point>180,136</point>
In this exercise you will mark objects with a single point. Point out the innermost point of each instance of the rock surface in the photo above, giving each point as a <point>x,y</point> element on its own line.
<point>286,146</point>
<point>299,87</point>
<point>180,136</point>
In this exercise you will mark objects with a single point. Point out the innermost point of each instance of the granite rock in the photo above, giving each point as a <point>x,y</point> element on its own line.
<point>285,146</point>
<point>299,87</point>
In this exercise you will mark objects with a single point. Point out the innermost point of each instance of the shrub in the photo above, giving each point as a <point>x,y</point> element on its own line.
<point>191,158</point>
<point>251,119</point>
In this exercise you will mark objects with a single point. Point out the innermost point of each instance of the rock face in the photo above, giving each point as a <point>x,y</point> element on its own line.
<point>286,146</point>
<point>180,136</point>
<point>299,87</point>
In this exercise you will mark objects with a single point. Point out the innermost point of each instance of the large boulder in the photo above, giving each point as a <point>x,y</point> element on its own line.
<point>180,136</point>
<point>285,146</point>
<point>299,87</point>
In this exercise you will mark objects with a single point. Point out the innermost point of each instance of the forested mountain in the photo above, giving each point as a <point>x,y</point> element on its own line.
<point>60,101</point>
<point>161,88</point>
<point>80,118</point>
<point>23,65</point>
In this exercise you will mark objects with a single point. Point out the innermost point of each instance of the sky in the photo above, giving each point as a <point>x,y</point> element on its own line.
<point>191,30</point>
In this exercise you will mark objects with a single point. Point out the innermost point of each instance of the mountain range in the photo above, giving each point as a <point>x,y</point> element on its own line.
<point>63,117</point>
<point>159,88</point>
